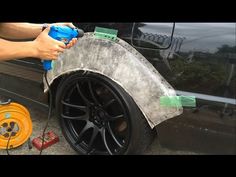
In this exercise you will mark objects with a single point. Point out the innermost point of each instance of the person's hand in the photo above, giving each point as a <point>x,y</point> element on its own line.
<point>74,40</point>
<point>47,48</point>
<point>71,43</point>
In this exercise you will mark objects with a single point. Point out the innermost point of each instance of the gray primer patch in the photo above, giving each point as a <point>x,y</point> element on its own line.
<point>124,65</point>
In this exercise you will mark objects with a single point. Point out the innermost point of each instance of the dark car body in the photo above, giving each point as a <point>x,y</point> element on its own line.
<point>197,59</point>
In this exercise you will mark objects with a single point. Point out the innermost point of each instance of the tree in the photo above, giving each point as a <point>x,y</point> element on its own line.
<point>226,49</point>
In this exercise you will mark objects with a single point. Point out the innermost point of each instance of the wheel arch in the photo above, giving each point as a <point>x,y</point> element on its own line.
<point>121,63</point>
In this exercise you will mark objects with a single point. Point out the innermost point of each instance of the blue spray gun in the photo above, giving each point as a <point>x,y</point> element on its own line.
<point>64,34</point>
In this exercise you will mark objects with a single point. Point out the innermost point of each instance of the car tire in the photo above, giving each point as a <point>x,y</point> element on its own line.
<point>97,116</point>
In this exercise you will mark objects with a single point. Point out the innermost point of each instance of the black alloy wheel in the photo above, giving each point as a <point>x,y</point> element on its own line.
<point>98,117</point>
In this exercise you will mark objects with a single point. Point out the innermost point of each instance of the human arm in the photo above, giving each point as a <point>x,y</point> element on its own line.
<point>43,47</point>
<point>24,30</point>
<point>20,30</point>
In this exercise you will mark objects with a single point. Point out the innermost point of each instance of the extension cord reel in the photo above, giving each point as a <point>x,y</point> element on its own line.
<point>15,121</point>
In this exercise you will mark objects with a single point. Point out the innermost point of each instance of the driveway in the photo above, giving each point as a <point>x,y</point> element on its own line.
<point>62,147</point>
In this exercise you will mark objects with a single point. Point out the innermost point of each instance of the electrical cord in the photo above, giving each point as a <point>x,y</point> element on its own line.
<point>7,149</point>
<point>48,118</point>
<point>49,112</point>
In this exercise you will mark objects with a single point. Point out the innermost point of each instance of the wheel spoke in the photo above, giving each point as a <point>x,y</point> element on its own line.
<point>94,117</point>
<point>108,103</point>
<point>82,95</point>
<point>113,135</point>
<point>86,127</point>
<point>94,135</point>
<point>114,118</point>
<point>81,108</point>
<point>92,93</point>
<point>83,117</point>
<point>91,151</point>
<point>103,133</point>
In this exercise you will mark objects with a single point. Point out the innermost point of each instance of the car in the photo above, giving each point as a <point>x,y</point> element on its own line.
<point>98,100</point>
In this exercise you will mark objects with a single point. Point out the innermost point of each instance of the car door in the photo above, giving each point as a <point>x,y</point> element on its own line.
<point>199,62</point>
<point>204,65</point>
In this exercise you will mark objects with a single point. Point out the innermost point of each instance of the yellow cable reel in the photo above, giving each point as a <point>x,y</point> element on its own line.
<point>15,121</point>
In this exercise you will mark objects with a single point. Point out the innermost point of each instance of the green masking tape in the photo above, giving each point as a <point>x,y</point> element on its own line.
<point>178,101</point>
<point>105,33</point>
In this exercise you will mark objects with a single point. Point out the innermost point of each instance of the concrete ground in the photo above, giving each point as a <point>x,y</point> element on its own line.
<point>63,148</point>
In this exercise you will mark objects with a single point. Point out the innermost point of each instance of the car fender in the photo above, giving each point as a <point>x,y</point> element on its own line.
<point>123,64</point>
